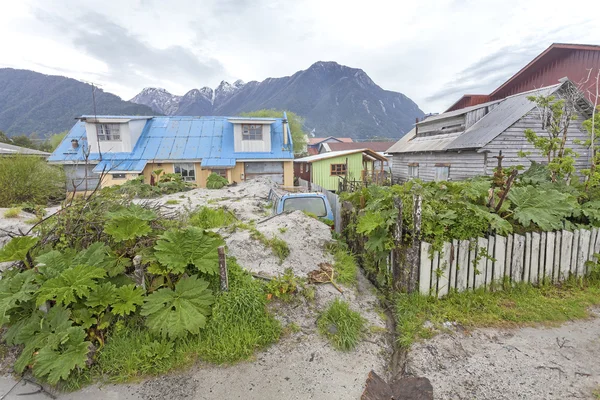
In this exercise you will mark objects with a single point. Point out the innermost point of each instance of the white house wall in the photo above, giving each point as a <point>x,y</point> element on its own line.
<point>256,146</point>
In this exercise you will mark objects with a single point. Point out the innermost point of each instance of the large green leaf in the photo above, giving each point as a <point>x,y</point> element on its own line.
<point>73,283</point>
<point>129,223</point>
<point>14,291</point>
<point>53,263</point>
<point>58,364</point>
<point>101,296</point>
<point>52,344</point>
<point>174,313</point>
<point>369,222</point>
<point>16,249</point>
<point>127,298</point>
<point>545,208</point>
<point>591,210</point>
<point>176,249</point>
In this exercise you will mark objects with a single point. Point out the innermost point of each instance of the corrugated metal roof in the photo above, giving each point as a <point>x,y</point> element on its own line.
<point>506,113</point>
<point>332,154</point>
<point>116,166</point>
<point>11,149</point>
<point>317,140</point>
<point>509,111</point>
<point>457,112</point>
<point>178,138</point>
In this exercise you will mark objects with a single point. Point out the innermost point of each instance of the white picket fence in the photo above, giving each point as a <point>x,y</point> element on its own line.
<point>533,257</point>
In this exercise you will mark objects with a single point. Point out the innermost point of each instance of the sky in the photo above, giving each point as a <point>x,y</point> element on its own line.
<point>432,51</point>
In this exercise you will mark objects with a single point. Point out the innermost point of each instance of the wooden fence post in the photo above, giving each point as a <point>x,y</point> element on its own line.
<point>223,269</point>
<point>415,253</point>
<point>398,277</point>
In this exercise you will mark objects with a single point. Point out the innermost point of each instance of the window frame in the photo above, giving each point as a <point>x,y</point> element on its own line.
<point>186,167</point>
<point>251,134</point>
<point>219,171</point>
<point>106,132</point>
<point>118,176</point>
<point>412,167</point>
<point>337,169</point>
<point>439,177</point>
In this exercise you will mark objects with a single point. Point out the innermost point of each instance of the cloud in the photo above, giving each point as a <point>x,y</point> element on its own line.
<point>488,73</point>
<point>129,60</point>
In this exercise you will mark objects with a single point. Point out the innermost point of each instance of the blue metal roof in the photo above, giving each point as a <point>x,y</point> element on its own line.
<point>209,139</point>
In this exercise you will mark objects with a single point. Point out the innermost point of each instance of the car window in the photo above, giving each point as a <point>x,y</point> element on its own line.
<point>314,205</point>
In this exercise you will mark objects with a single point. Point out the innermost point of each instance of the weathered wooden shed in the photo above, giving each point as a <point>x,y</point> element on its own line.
<point>462,144</point>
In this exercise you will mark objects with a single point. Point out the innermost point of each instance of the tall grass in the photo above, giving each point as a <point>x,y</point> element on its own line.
<point>341,325</point>
<point>208,218</point>
<point>519,305</point>
<point>27,179</point>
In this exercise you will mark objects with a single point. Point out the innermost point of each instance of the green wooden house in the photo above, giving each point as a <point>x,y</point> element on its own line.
<point>328,169</point>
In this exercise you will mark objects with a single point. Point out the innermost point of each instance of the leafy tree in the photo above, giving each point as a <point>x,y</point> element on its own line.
<point>4,138</point>
<point>52,142</point>
<point>556,115</point>
<point>296,125</point>
<point>23,141</point>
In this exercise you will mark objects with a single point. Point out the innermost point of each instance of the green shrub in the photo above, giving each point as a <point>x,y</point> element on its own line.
<point>215,181</point>
<point>12,212</point>
<point>30,179</point>
<point>285,286</point>
<point>209,218</point>
<point>278,246</point>
<point>344,265</point>
<point>341,325</point>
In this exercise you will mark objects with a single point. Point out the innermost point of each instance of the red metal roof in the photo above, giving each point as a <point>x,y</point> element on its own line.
<point>557,61</point>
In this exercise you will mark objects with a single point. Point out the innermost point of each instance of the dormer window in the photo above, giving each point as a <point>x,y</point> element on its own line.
<point>108,132</point>
<point>252,132</point>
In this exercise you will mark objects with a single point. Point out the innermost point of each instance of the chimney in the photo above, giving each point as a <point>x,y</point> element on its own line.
<point>284,123</point>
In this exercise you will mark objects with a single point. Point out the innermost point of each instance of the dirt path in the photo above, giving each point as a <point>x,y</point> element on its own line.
<point>528,363</point>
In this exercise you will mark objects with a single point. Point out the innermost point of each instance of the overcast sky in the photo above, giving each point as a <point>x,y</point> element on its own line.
<point>432,51</point>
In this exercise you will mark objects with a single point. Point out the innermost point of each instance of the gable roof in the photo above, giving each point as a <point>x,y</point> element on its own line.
<point>379,147</point>
<point>11,149</point>
<point>316,140</point>
<point>557,61</point>
<point>505,113</point>
<point>333,154</point>
<point>176,138</point>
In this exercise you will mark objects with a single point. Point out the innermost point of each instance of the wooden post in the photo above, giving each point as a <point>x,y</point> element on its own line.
<point>399,279</point>
<point>416,242</point>
<point>310,177</point>
<point>223,269</point>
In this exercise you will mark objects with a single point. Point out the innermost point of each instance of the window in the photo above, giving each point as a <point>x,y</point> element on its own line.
<point>442,172</point>
<point>118,176</point>
<point>338,169</point>
<point>413,170</point>
<point>220,172</point>
<point>313,205</point>
<point>252,132</point>
<point>108,132</point>
<point>187,171</point>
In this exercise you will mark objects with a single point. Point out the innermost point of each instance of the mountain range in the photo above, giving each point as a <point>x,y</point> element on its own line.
<point>334,99</point>
<point>31,102</point>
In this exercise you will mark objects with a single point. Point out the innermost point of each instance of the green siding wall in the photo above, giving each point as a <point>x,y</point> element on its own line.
<point>321,172</point>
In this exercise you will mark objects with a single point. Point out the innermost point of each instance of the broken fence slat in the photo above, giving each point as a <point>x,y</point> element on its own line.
<point>583,251</point>
<point>549,261</point>
<point>518,254</point>
<point>527,262</point>
<point>574,252</point>
<point>462,266</point>
<point>534,264</point>
<point>444,277</point>
<point>435,264</point>
<point>425,269</point>
<point>453,266</point>
<point>500,256</point>
<point>489,262</point>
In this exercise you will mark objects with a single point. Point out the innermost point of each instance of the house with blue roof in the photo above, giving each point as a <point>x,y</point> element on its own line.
<point>109,150</point>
